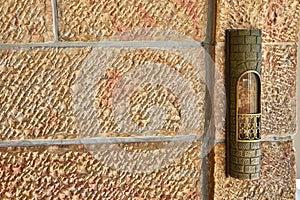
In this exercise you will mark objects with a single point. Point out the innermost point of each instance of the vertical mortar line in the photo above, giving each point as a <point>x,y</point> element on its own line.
<point>297,137</point>
<point>207,183</point>
<point>55,20</point>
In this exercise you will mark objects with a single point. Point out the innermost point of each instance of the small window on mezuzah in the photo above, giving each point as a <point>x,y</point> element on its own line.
<point>248,107</point>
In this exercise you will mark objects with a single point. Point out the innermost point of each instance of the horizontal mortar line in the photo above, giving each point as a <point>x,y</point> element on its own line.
<point>112,140</point>
<point>265,139</point>
<point>219,141</point>
<point>221,44</point>
<point>276,138</point>
<point>109,44</point>
<point>98,140</point>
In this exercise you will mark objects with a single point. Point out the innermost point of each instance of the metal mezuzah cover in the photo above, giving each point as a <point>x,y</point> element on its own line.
<point>243,56</point>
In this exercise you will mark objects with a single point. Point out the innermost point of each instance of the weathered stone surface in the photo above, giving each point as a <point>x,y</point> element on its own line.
<point>40,89</point>
<point>279,20</point>
<point>279,90</point>
<point>26,21</point>
<point>132,20</point>
<point>69,172</point>
<point>36,95</point>
<point>279,65</point>
<point>277,179</point>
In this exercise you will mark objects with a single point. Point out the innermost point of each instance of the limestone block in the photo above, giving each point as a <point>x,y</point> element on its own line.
<point>70,172</point>
<point>132,20</point>
<point>58,93</point>
<point>26,21</point>
<point>279,20</point>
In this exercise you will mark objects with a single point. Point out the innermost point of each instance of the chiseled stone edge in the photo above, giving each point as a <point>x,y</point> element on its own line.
<point>209,45</point>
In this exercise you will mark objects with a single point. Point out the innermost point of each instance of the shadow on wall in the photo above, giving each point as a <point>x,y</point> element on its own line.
<point>297,137</point>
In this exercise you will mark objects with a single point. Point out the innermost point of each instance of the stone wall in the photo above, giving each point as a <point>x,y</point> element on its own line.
<point>121,99</point>
<point>297,136</point>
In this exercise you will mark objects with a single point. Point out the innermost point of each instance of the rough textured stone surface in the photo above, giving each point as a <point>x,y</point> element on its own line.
<point>26,21</point>
<point>279,65</point>
<point>277,179</point>
<point>279,20</point>
<point>36,92</point>
<point>69,172</point>
<point>143,91</point>
<point>279,90</point>
<point>39,87</point>
<point>220,91</point>
<point>131,19</point>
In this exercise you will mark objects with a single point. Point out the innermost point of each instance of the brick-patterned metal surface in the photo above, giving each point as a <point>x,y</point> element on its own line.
<point>26,21</point>
<point>132,20</point>
<point>277,180</point>
<point>69,172</point>
<point>278,79</point>
<point>278,20</point>
<point>243,54</point>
